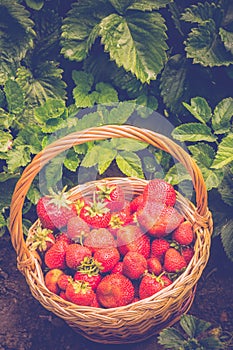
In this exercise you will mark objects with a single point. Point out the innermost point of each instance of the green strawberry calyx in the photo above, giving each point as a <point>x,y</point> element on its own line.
<point>81,287</point>
<point>40,239</point>
<point>90,266</point>
<point>60,199</point>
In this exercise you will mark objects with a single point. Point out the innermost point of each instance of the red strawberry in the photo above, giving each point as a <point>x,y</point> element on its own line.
<point>115,290</point>
<point>62,294</point>
<point>118,268</point>
<point>63,237</point>
<point>96,214</point>
<point>154,266</point>
<point>77,229</point>
<point>95,302</point>
<point>112,194</point>
<point>158,248</point>
<point>134,265</point>
<point>63,281</point>
<point>151,284</point>
<point>122,218</point>
<point>183,234</point>
<point>136,203</point>
<point>158,220</point>
<point>80,293</point>
<point>99,238</point>
<point>108,257</point>
<point>55,210</point>
<point>79,203</point>
<point>160,191</point>
<point>55,256</point>
<point>42,239</point>
<point>89,271</point>
<point>51,280</point>
<point>187,253</point>
<point>131,238</point>
<point>174,261</point>
<point>75,253</point>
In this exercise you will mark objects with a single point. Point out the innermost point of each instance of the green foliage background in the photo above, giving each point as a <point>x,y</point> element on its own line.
<point>66,66</point>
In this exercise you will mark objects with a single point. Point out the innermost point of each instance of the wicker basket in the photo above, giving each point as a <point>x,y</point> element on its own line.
<point>140,320</point>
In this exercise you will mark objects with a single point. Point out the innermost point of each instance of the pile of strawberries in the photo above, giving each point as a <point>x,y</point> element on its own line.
<point>107,251</point>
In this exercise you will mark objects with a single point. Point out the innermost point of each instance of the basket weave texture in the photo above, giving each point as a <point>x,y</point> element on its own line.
<point>136,321</point>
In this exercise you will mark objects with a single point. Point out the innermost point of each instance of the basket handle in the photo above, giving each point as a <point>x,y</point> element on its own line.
<point>96,133</point>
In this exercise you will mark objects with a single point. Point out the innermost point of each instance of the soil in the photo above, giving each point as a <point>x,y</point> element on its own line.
<point>25,324</point>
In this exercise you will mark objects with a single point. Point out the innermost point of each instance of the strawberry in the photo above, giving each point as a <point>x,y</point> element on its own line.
<point>131,238</point>
<point>63,237</point>
<point>160,191</point>
<point>77,229</point>
<point>112,194</point>
<point>122,218</point>
<point>96,214</point>
<point>80,293</point>
<point>51,280</point>
<point>107,257</point>
<point>134,265</point>
<point>115,290</point>
<point>183,234</point>
<point>158,248</point>
<point>151,284</point>
<point>99,238</point>
<point>174,261</point>
<point>55,256</point>
<point>187,253</point>
<point>79,203</point>
<point>63,281</point>
<point>62,294</point>
<point>136,203</point>
<point>89,271</point>
<point>118,268</point>
<point>95,302</point>
<point>54,210</point>
<point>75,253</point>
<point>158,220</point>
<point>154,266</point>
<point>42,239</point>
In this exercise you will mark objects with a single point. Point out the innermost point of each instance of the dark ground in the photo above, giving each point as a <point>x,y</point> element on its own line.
<point>25,324</point>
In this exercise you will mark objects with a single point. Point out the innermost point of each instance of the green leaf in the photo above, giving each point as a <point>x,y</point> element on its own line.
<point>30,135</point>
<point>146,105</point>
<point>5,141</point>
<point>120,114</point>
<point>204,46</point>
<point>35,4</point>
<point>226,187</point>
<point>18,157</point>
<point>193,326</point>
<point>223,113</point>
<point>106,93</point>
<point>176,174</point>
<point>82,92</point>
<point>202,12</point>
<point>81,27</point>
<point>89,120</point>
<point>200,109</point>
<point>227,238</point>
<point>51,109</point>
<point>6,119</point>
<point>14,97</point>
<point>171,339</point>
<point>224,154</point>
<point>105,158</point>
<point>3,223</point>
<point>227,38</point>
<point>91,158</point>
<point>193,132</point>
<point>129,145</point>
<point>72,160</point>
<point>130,164</point>
<point>53,171</point>
<point>136,42</point>
<point>148,5</point>
<point>33,194</point>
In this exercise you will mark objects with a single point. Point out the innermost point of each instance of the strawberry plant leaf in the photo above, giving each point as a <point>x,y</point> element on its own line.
<point>227,238</point>
<point>148,5</point>
<point>128,38</point>
<point>120,114</point>
<point>223,112</point>
<point>224,153</point>
<point>30,135</point>
<point>227,38</point>
<point>106,93</point>
<point>5,141</point>
<point>146,104</point>
<point>53,171</point>
<point>3,223</point>
<point>82,92</point>
<point>72,160</point>
<point>51,109</point>
<point>130,164</point>
<point>18,157</point>
<point>171,338</point>
<point>193,132</point>
<point>194,326</point>
<point>176,174</point>
<point>106,156</point>
<point>200,109</point>
<point>202,12</point>
<point>35,4</point>
<point>211,343</point>
<point>14,97</point>
<point>123,144</point>
<point>91,158</point>
<point>33,194</point>
<point>226,187</point>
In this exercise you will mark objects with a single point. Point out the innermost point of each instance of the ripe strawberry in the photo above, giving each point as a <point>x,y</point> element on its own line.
<point>151,284</point>
<point>89,271</point>
<point>80,293</point>
<point>42,239</point>
<point>99,238</point>
<point>160,191</point>
<point>55,210</point>
<point>154,266</point>
<point>112,194</point>
<point>158,220</point>
<point>63,281</point>
<point>55,256</point>
<point>174,261</point>
<point>158,248</point>
<point>96,214</point>
<point>51,280</point>
<point>115,290</point>
<point>122,218</point>
<point>62,294</point>
<point>183,234</point>
<point>136,203</point>
<point>75,253</point>
<point>77,229</point>
<point>131,238</point>
<point>107,257</point>
<point>134,265</point>
<point>118,268</point>
<point>63,237</point>
<point>95,302</point>
<point>187,253</point>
